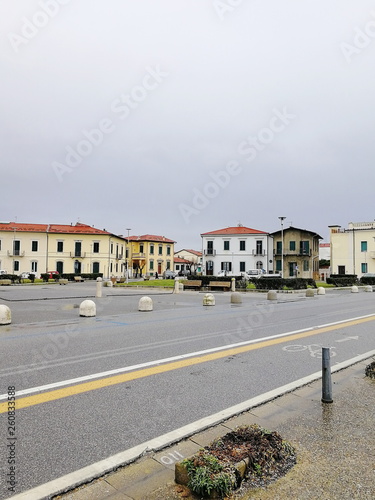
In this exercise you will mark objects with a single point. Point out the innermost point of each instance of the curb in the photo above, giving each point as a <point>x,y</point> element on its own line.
<point>87,474</point>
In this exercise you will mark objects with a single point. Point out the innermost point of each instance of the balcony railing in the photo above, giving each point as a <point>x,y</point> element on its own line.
<point>295,253</point>
<point>258,253</point>
<point>15,253</point>
<point>119,256</point>
<point>138,255</point>
<point>209,251</point>
<point>79,255</point>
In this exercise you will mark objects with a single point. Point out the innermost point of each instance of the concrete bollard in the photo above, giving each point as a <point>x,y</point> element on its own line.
<point>87,309</point>
<point>176,286</point>
<point>145,304</point>
<point>354,289</point>
<point>233,284</point>
<point>235,298</point>
<point>321,291</point>
<point>208,299</point>
<point>271,295</point>
<point>108,283</point>
<point>99,289</point>
<point>310,292</point>
<point>368,288</point>
<point>5,315</point>
<point>181,287</point>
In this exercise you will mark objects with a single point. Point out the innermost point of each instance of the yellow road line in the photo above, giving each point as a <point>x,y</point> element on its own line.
<point>147,372</point>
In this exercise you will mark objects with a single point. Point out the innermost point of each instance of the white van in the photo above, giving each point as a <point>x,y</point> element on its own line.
<point>253,273</point>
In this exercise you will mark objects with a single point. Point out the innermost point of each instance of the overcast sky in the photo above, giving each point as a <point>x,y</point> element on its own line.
<point>177,117</point>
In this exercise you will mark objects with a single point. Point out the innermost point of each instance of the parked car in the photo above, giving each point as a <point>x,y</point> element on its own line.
<point>225,273</point>
<point>184,273</point>
<point>253,273</point>
<point>3,271</point>
<point>169,274</point>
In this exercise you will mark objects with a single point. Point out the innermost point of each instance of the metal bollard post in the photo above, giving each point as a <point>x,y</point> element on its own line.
<point>326,376</point>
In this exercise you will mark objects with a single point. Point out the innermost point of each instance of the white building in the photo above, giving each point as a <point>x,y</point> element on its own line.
<point>353,249</point>
<point>236,250</point>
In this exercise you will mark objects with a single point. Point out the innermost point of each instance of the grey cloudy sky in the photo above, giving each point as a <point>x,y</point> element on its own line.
<point>177,117</point>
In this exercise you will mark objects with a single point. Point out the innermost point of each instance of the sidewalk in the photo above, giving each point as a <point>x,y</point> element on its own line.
<point>335,446</point>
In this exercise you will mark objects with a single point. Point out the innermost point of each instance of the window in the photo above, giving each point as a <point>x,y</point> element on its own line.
<point>279,247</point>
<point>305,265</point>
<point>151,265</point>
<point>77,249</point>
<point>60,246</point>
<point>152,249</point>
<point>168,264</point>
<point>210,247</point>
<point>160,249</point>
<point>341,269</point>
<point>141,248</point>
<point>304,247</point>
<point>60,267</point>
<point>292,246</point>
<point>34,266</point>
<point>16,265</point>
<point>226,266</point>
<point>0,244</point>
<point>259,247</point>
<point>226,245</point>
<point>177,267</point>
<point>278,264</point>
<point>34,246</point>
<point>95,247</point>
<point>95,267</point>
<point>364,247</point>
<point>242,267</point>
<point>242,245</point>
<point>111,249</point>
<point>364,267</point>
<point>16,247</point>
<point>259,265</point>
<point>168,250</point>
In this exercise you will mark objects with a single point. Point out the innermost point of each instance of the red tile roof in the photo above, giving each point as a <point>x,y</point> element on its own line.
<point>151,237</point>
<point>51,228</point>
<point>235,230</point>
<point>195,252</point>
<point>178,260</point>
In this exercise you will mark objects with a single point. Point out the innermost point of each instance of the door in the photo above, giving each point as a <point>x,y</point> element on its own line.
<point>77,267</point>
<point>292,269</point>
<point>159,267</point>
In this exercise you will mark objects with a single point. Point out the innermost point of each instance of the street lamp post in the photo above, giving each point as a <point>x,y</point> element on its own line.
<point>127,255</point>
<point>282,245</point>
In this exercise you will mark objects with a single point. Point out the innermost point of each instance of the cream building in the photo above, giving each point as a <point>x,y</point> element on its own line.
<point>78,248</point>
<point>353,249</point>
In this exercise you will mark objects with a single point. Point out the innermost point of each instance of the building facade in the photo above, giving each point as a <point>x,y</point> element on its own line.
<point>150,254</point>
<point>79,248</point>
<point>296,253</point>
<point>353,249</point>
<point>236,250</point>
<point>192,258</point>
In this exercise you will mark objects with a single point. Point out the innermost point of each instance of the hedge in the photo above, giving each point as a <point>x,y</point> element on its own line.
<point>206,279</point>
<point>342,279</point>
<point>367,280</point>
<point>271,283</point>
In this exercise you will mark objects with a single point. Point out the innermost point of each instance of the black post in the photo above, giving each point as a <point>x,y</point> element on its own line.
<point>326,376</point>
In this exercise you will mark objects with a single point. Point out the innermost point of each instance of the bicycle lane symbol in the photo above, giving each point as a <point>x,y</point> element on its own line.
<point>315,350</point>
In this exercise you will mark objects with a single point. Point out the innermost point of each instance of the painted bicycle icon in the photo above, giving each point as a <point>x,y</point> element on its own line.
<point>315,350</point>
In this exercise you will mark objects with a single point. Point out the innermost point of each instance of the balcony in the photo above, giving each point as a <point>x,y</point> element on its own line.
<point>258,254</point>
<point>77,255</point>
<point>119,256</point>
<point>294,253</point>
<point>15,253</point>
<point>209,251</point>
<point>139,256</point>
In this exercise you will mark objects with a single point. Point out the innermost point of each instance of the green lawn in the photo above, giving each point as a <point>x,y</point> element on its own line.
<point>149,283</point>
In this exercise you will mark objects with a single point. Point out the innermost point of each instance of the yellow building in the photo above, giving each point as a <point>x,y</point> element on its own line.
<point>353,249</point>
<point>150,254</point>
<point>41,248</point>
<point>296,253</point>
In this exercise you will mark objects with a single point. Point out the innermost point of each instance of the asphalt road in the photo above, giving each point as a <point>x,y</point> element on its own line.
<point>160,379</point>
